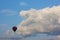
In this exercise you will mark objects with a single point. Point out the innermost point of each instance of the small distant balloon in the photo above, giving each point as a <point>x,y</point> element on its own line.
<point>14,28</point>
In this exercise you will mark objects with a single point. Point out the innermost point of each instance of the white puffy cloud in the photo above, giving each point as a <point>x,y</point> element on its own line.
<point>42,20</point>
<point>39,21</point>
<point>58,37</point>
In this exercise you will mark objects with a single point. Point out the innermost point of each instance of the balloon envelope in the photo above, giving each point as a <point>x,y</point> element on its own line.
<point>14,28</point>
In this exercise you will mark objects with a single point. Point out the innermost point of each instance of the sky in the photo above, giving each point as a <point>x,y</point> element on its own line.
<point>31,17</point>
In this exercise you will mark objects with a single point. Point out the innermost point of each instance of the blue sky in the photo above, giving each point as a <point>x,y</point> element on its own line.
<point>10,9</point>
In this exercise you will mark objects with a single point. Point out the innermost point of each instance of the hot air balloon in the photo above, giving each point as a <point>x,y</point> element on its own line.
<point>14,28</point>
